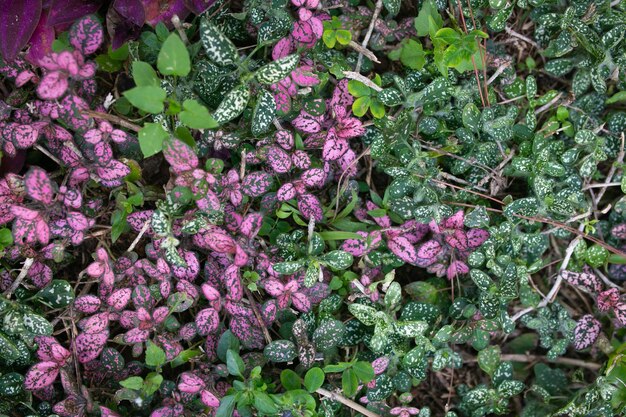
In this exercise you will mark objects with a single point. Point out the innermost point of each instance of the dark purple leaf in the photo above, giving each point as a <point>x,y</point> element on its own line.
<point>18,20</point>
<point>68,11</point>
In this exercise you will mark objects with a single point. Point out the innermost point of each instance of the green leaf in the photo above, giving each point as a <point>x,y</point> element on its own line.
<point>422,21</point>
<point>196,116</point>
<point>349,382</point>
<point>364,371</point>
<point>218,47</point>
<point>6,238</point>
<point>147,98</point>
<point>338,259</point>
<point>329,38</point>
<point>227,406</point>
<point>233,104</point>
<point>377,109</point>
<point>343,36</point>
<point>57,294</point>
<point>264,404</point>
<point>153,383</point>
<point>280,351</point>
<point>360,106</point>
<point>314,379</point>
<point>358,89</point>
<point>412,55</point>
<point>151,138</point>
<point>264,113</point>
<point>489,359</point>
<point>134,382</point>
<point>277,70</point>
<point>617,97</point>
<point>173,57</point>
<point>448,35</point>
<point>392,6</point>
<point>155,356</point>
<point>290,380</point>
<point>234,363</point>
<point>144,75</point>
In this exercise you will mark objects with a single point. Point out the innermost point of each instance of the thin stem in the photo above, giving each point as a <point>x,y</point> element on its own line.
<point>347,402</point>
<point>112,118</point>
<point>368,34</point>
<point>28,263</point>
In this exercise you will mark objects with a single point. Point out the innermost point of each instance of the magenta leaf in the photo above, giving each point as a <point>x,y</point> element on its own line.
<point>119,299</point>
<point>608,299</point>
<point>232,282</point>
<point>207,321</point>
<point>286,192</point>
<point>209,399</point>
<point>301,159</point>
<point>403,249</point>
<point>583,280</point>
<point>24,136</point>
<point>87,304</point>
<point>620,313</point>
<point>428,252</point>
<point>41,375</point>
<point>278,160</point>
<point>586,332</point>
<point>310,207</point>
<point>18,20</point>
<point>306,123</point>
<point>89,346</point>
<point>256,183</point>
<point>456,268</point>
<point>53,85</point>
<point>334,148</point>
<point>476,237</point>
<point>251,225</point>
<point>136,336</point>
<point>190,383</point>
<point>86,35</point>
<point>619,231</point>
<point>304,76</point>
<point>112,174</point>
<point>180,156</point>
<point>314,177</point>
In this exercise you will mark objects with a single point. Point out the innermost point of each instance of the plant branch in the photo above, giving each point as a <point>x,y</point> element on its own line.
<point>364,51</point>
<point>538,358</point>
<point>258,315</point>
<point>112,118</point>
<point>143,230</point>
<point>368,34</point>
<point>28,263</point>
<point>347,402</point>
<point>356,76</point>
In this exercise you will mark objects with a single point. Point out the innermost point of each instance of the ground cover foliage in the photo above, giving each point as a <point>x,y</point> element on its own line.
<point>312,208</point>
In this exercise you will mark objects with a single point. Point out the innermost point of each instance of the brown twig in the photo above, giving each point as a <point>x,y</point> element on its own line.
<point>258,315</point>
<point>368,34</point>
<point>28,263</point>
<point>364,51</point>
<point>143,230</point>
<point>112,118</point>
<point>513,357</point>
<point>353,75</point>
<point>347,402</point>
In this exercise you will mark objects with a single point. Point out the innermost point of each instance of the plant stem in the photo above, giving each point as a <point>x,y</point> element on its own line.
<point>347,402</point>
<point>28,263</point>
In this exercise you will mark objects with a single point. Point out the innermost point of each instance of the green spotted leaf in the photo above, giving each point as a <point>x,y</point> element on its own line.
<point>233,104</point>
<point>277,70</point>
<point>217,46</point>
<point>264,113</point>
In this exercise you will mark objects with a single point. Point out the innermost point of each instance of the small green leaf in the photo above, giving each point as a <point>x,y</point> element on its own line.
<point>358,89</point>
<point>343,36</point>
<point>173,57</point>
<point>364,371</point>
<point>196,116</point>
<point>489,359</point>
<point>290,380</point>
<point>361,105</point>
<point>264,404</point>
<point>349,382</point>
<point>155,356</point>
<point>151,138</point>
<point>147,98</point>
<point>314,379</point>
<point>144,75</point>
<point>234,363</point>
<point>134,382</point>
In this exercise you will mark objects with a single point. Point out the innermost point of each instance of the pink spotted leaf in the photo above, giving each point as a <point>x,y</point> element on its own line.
<point>38,185</point>
<point>180,156</point>
<point>86,35</point>
<point>586,332</point>
<point>41,375</point>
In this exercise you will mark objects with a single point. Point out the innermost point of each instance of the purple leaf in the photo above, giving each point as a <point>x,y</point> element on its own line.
<point>301,302</point>
<point>18,20</point>
<point>286,192</point>
<point>41,40</point>
<point>53,85</point>
<point>41,375</point>
<point>456,268</point>
<point>306,123</point>
<point>608,299</point>
<point>313,177</point>
<point>428,252</point>
<point>97,323</point>
<point>282,48</point>
<point>304,76</point>
<point>180,156</point>
<point>207,321</point>
<point>251,225</point>
<point>50,350</point>
<point>256,183</point>
<point>119,299</point>
<point>301,159</point>
<point>584,280</point>
<point>457,239</point>
<point>278,160</point>
<point>40,274</point>
<point>89,346</point>
<point>586,332</point>
<point>198,6</point>
<point>24,136</point>
<point>620,313</point>
<point>334,148</point>
<point>112,174</point>
<point>68,11</point>
<point>284,139</point>
<point>136,336</point>
<point>209,399</point>
<point>87,304</point>
<point>403,249</point>
<point>190,383</point>
<point>232,282</point>
<point>476,237</point>
<point>189,272</point>
<point>163,11</point>
<point>310,207</point>
<point>86,35</point>
<point>454,222</point>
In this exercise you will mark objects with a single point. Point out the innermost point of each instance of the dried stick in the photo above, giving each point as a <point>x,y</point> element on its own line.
<point>347,402</point>
<point>258,315</point>
<point>112,118</point>
<point>364,51</point>
<point>513,357</point>
<point>559,279</point>
<point>143,230</point>
<point>356,76</point>
<point>179,27</point>
<point>368,34</point>
<point>27,264</point>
